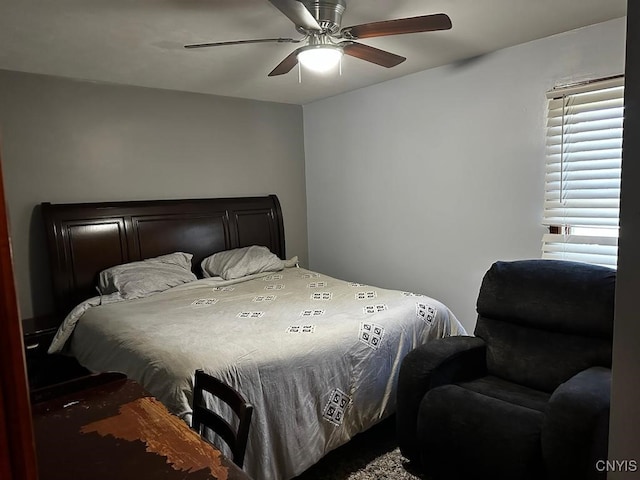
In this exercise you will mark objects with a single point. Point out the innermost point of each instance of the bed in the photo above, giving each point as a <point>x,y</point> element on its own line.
<point>318,357</point>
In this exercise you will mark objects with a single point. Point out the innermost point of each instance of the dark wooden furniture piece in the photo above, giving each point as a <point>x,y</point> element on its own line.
<point>42,368</point>
<point>17,455</point>
<point>105,427</point>
<point>204,418</point>
<point>86,238</point>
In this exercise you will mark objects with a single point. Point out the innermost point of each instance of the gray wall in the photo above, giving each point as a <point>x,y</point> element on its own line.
<point>71,141</point>
<point>422,182</point>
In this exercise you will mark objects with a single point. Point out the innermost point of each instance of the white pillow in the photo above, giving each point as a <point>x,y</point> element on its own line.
<point>139,279</point>
<point>241,262</point>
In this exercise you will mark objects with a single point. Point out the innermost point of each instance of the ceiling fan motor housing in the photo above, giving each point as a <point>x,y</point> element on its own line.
<point>328,13</point>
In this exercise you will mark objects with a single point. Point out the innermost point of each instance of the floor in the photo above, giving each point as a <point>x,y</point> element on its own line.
<point>372,455</point>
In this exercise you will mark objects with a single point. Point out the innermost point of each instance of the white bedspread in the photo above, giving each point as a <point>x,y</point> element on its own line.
<point>316,356</point>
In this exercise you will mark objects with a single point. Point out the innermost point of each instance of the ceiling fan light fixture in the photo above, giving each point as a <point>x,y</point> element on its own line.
<point>320,58</point>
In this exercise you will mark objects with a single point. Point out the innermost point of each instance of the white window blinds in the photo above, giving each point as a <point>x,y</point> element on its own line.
<point>582,181</point>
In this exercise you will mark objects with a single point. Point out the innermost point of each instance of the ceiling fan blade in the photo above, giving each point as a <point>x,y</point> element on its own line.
<point>297,13</point>
<point>286,65</point>
<point>371,54</point>
<point>424,23</point>
<point>242,42</point>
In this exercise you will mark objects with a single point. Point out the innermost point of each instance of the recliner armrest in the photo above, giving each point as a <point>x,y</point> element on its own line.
<point>576,426</point>
<point>438,362</point>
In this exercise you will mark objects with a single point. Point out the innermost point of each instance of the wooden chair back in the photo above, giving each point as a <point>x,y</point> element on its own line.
<point>203,417</point>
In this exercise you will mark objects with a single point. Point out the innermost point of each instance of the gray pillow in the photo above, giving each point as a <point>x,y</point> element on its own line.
<point>241,262</point>
<point>139,279</point>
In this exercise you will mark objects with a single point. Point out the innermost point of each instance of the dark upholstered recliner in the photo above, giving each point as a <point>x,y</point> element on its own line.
<point>528,396</point>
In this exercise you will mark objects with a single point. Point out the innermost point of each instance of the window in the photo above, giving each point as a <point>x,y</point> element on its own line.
<point>582,180</point>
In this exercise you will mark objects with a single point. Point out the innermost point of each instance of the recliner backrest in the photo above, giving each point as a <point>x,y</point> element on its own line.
<point>546,320</point>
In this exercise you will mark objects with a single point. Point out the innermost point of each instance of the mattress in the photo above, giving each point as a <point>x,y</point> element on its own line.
<point>318,357</point>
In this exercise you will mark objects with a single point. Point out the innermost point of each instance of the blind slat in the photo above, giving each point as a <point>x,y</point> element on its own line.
<point>594,164</point>
<point>609,127</point>
<point>584,117</point>
<point>566,107</point>
<point>582,143</point>
<point>589,126</point>
<point>591,155</point>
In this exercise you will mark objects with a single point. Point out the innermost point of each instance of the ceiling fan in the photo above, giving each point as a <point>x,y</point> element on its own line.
<point>325,42</point>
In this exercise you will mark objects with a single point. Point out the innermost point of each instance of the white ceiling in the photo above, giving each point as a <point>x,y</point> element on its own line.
<point>139,42</point>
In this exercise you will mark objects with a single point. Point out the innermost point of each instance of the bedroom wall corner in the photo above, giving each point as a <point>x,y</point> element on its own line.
<point>422,182</point>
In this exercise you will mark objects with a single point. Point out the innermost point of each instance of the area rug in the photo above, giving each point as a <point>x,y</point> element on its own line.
<point>372,455</point>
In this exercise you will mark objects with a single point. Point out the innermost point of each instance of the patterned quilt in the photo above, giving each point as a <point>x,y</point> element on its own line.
<point>316,356</point>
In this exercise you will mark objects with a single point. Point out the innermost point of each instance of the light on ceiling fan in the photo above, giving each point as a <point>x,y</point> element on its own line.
<point>320,58</point>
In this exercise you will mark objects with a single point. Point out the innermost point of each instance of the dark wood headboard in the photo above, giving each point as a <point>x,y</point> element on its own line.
<point>85,238</point>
